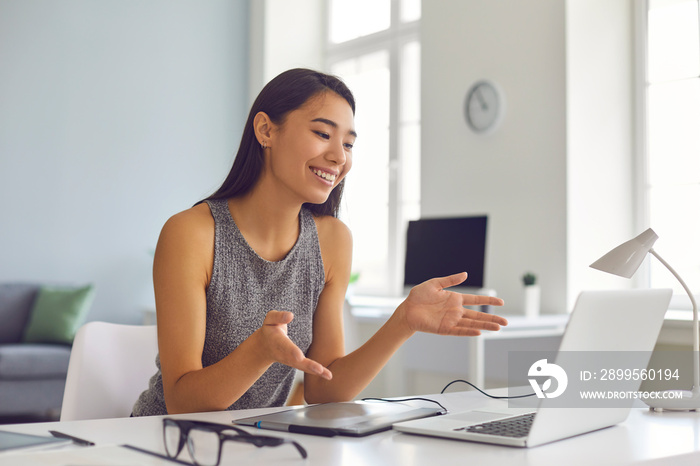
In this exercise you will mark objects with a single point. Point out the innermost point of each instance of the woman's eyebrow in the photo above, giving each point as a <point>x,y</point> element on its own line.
<point>333,124</point>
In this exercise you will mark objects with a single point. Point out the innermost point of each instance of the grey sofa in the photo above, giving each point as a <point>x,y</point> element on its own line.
<point>32,375</point>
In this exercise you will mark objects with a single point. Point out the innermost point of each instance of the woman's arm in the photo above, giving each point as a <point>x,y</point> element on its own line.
<point>181,274</point>
<point>428,308</point>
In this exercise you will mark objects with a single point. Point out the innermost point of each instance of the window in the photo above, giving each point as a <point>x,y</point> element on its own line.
<point>374,46</point>
<point>671,180</point>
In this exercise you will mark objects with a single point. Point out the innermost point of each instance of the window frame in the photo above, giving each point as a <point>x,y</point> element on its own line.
<point>393,40</point>
<point>642,186</point>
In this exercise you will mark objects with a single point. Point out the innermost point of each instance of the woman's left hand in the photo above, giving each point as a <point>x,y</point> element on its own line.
<point>431,308</point>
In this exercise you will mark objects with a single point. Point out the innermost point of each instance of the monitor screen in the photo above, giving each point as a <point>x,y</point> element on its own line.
<point>437,247</point>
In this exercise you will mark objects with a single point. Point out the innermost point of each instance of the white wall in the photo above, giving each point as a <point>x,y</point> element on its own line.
<point>114,115</point>
<point>600,135</point>
<point>517,175</point>
<point>285,34</point>
<point>557,177</point>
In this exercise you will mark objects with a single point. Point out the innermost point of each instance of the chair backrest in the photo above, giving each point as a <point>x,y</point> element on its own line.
<point>110,365</point>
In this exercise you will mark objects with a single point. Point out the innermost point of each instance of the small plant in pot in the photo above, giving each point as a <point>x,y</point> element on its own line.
<point>529,279</point>
<point>531,301</point>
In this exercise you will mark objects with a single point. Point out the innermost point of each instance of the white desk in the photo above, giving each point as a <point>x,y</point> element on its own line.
<point>424,352</point>
<point>645,438</point>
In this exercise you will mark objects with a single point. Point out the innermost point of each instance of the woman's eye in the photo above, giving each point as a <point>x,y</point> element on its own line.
<point>323,135</point>
<point>348,145</point>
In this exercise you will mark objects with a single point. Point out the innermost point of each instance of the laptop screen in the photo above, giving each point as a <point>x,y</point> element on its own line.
<point>437,247</point>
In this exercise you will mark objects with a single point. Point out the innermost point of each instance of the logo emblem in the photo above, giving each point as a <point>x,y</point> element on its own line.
<point>542,368</point>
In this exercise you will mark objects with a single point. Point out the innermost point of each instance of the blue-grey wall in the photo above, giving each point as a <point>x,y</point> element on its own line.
<point>114,115</point>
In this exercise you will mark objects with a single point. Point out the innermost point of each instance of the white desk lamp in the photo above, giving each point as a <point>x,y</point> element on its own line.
<point>624,261</point>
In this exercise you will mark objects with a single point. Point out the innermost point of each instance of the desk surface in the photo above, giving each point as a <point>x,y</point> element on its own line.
<point>645,438</point>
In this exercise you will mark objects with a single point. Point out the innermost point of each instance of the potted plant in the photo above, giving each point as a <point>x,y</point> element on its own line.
<point>531,302</point>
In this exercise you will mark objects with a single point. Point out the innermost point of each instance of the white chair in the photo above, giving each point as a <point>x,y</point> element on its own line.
<point>110,365</point>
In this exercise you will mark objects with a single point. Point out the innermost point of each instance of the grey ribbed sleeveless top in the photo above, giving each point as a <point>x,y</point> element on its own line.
<point>243,288</point>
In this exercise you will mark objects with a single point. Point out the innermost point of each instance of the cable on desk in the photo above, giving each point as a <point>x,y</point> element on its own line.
<point>483,392</point>
<point>390,400</point>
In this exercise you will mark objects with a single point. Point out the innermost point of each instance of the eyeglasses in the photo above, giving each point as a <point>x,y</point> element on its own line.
<point>205,439</point>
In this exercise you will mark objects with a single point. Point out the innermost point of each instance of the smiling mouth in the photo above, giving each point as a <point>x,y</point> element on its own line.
<point>325,175</point>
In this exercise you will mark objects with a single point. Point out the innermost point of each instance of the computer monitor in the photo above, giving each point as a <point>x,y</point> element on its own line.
<point>437,247</point>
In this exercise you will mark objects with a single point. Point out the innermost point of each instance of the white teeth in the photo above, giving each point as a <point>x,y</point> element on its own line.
<point>324,175</point>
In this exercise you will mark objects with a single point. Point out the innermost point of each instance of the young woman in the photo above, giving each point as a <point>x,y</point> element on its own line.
<point>250,283</point>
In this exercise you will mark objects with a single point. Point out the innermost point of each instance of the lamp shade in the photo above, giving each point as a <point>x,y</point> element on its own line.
<point>625,259</point>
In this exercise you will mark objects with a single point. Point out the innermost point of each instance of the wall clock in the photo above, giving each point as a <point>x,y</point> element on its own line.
<point>484,107</point>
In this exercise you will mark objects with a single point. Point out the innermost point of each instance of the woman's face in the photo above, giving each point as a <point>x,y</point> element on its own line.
<point>311,151</point>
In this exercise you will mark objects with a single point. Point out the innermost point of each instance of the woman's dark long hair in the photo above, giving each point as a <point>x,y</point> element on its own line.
<point>285,93</point>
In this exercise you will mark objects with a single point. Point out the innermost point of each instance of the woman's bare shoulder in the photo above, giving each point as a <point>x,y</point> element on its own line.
<point>335,240</point>
<point>190,228</point>
<point>333,231</point>
<point>186,246</point>
<point>195,220</point>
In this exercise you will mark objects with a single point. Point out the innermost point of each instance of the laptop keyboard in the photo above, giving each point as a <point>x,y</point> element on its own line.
<point>518,426</point>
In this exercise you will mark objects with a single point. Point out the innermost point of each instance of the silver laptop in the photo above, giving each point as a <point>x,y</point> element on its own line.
<point>619,321</point>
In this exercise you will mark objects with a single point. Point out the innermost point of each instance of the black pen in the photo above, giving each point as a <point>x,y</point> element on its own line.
<point>149,452</point>
<point>75,440</point>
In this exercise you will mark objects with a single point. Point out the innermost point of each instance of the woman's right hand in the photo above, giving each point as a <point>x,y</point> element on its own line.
<point>280,348</point>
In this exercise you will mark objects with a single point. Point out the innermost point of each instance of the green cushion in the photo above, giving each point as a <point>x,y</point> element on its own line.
<point>58,313</point>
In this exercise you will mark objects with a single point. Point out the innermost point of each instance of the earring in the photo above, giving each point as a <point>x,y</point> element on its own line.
<point>263,145</point>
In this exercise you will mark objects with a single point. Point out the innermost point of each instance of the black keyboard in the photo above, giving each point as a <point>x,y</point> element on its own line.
<point>518,426</point>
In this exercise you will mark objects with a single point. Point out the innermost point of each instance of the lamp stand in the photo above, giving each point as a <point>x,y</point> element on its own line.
<point>691,398</point>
